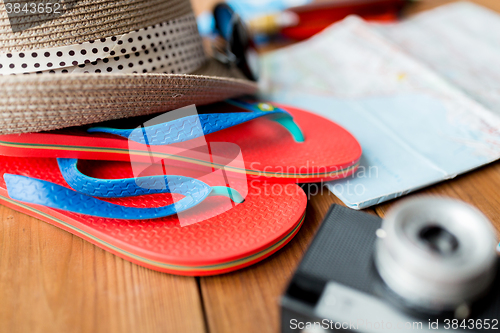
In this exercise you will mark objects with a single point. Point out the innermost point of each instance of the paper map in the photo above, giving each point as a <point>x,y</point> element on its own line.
<point>422,96</point>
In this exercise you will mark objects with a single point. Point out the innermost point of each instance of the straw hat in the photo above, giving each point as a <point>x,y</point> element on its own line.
<point>103,60</point>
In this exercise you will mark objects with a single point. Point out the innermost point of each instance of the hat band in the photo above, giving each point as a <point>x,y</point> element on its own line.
<point>174,46</point>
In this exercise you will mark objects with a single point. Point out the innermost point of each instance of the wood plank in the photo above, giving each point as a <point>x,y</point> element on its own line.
<point>422,5</point>
<point>52,281</point>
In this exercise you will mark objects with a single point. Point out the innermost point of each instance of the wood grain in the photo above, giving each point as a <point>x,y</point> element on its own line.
<point>421,5</point>
<point>52,281</point>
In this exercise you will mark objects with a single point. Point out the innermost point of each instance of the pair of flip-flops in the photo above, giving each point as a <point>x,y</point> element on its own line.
<point>205,193</point>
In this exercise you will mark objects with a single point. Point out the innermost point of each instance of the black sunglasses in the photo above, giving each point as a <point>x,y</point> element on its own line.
<point>235,47</point>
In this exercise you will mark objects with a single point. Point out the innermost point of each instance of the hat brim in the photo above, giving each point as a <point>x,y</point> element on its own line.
<point>34,103</point>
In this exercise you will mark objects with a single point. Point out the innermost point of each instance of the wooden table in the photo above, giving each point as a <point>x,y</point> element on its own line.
<point>52,281</point>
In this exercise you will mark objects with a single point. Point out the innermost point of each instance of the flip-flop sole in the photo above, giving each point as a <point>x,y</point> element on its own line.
<point>269,152</point>
<point>241,236</point>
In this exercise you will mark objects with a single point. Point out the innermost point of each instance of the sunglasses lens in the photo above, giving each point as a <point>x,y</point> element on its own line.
<point>232,29</point>
<point>223,15</point>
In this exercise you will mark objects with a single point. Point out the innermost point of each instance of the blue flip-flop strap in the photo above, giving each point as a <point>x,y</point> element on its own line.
<point>130,187</point>
<point>41,192</point>
<point>195,126</point>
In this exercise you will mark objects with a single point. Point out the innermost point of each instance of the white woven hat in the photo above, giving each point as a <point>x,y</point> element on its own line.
<point>103,60</point>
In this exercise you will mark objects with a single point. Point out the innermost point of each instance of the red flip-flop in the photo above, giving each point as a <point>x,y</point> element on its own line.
<point>215,236</point>
<point>278,143</point>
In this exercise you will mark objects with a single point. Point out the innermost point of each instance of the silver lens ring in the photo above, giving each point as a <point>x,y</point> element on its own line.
<point>436,253</point>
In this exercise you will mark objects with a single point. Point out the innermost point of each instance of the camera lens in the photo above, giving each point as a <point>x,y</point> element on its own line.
<point>436,254</point>
<point>439,240</point>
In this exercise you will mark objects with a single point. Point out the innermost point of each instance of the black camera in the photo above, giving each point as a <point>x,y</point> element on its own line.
<point>430,265</point>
